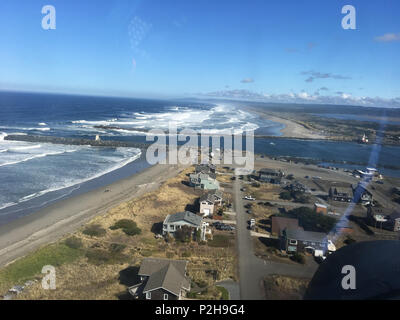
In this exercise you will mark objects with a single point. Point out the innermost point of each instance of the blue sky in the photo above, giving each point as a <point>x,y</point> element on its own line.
<point>273,50</point>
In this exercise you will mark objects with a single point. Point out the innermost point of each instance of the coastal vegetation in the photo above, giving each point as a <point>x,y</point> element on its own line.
<point>90,262</point>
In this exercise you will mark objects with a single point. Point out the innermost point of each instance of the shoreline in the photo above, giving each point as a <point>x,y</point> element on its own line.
<point>22,236</point>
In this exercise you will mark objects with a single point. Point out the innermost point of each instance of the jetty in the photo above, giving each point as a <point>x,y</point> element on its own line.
<point>77,141</point>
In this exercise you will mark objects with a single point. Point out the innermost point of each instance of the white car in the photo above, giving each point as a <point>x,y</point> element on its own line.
<point>249,198</point>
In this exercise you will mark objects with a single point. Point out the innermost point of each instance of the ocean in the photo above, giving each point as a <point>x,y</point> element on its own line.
<point>33,175</point>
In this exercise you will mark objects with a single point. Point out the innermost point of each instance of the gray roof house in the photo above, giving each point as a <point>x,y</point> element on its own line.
<point>161,279</point>
<point>298,240</point>
<point>204,181</point>
<point>209,200</point>
<point>175,221</point>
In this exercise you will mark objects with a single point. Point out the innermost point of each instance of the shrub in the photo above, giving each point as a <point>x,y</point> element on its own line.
<point>224,293</point>
<point>311,221</point>
<point>94,230</point>
<point>184,234</point>
<point>299,258</point>
<point>186,254</point>
<point>73,242</point>
<point>129,227</point>
<point>285,195</point>
<point>169,254</point>
<point>117,247</point>
<point>100,256</point>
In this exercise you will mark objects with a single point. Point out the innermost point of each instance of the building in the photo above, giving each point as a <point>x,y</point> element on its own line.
<point>176,221</point>
<point>361,194</point>
<point>270,176</point>
<point>206,168</point>
<point>204,181</point>
<point>298,240</point>
<point>278,224</point>
<point>209,201</point>
<point>320,208</point>
<point>344,194</point>
<point>161,279</point>
<point>384,218</point>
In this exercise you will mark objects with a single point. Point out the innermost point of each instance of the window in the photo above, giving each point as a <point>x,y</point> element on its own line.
<point>293,241</point>
<point>165,296</point>
<point>148,295</point>
<point>172,227</point>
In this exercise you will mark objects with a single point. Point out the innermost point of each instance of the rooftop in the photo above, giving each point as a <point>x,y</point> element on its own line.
<point>164,273</point>
<point>299,234</point>
<point>187,216</point>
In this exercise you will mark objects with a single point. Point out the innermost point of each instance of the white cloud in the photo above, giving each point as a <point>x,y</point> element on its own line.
<point>247,80</point>
<point>388,37</point>
<point>340,98</point>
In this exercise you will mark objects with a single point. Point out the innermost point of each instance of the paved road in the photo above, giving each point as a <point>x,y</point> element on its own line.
<point>252,270</point>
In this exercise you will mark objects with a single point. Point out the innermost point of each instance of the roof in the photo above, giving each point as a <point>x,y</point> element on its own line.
<point>320,205</point>
<point>395,215</point>
<point>280,223</point>
<point>202,175</point>
<point>299,234</point>
<point>187,216</point>
<point>164,273</point>
<point>343,190</point>
<point>211,196</point>
<point>267,171</point>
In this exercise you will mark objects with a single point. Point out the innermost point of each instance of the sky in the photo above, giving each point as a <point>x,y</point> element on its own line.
<point>270,50</point>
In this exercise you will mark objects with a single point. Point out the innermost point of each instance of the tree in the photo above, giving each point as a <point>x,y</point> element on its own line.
<point>184,234</point>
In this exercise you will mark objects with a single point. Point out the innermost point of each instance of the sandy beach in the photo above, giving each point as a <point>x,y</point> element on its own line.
<point>26,234</point>
<point>292,129</point>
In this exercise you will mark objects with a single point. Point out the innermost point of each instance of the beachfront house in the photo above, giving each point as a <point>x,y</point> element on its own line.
<point>161,279</point>
<point>209,201</point>
<point>174,222</point>
<point>270,176</point>
<point>204,181</point>
<point>278,224</point>
<point>344,194</point>
<point>298,240</point>
<point>384,218</point>
<point>361,194</point>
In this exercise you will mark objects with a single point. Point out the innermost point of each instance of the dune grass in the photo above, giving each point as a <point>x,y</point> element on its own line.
<point>30,266</point>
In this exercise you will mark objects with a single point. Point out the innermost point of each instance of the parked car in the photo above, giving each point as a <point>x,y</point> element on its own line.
<point>249,211</point>
<point>249,198</point>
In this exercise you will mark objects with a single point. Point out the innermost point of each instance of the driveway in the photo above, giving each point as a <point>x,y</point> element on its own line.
<point>253,270</point>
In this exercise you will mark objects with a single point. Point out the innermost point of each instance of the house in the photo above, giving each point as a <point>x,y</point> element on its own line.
<point>298,240</point>
<point>320,208</point>
<point>206,168</point>
<point>384,218</point>
<point>278,224</point>
<point>204,181</point>
<point>344,194</point>
<point>176,221</point>
<point>161,279</point>
<point>361,194</point>
<point>270,176</point>
<point>297,187</point>
<point>208,202</point>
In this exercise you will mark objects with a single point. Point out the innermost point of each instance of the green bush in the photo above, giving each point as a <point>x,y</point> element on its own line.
<point>312,221</point>
<point>117,247</point>
<point>299,258</point>
<point>224,293</point>
<point>100,256</point>
<point>186,254</point>
<point>94,230</point>
<point>129,227</point>
<point>73,242</point>
<point>285,195</point>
